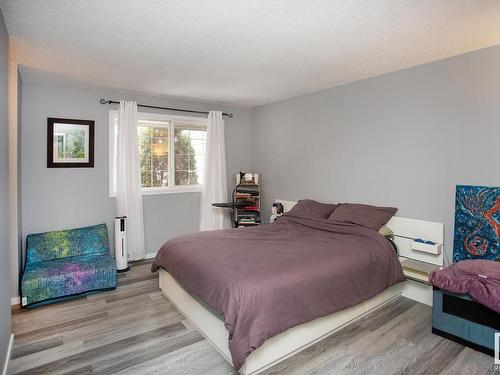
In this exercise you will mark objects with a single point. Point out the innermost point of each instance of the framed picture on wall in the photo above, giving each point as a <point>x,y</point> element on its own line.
<point>477,223</point>
<point>70,143</point>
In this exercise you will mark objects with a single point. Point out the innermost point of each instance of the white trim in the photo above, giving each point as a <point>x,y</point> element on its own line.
<point>13,137</point>
<point>13,182</point>
<point>172,119</point>
<point>7,355</point>
<point>150,255</point>
<point>15,301</point>
<point>175,190</point>
<point>59,133</point>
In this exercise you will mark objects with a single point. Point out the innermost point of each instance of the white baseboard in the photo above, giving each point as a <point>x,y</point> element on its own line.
<point>147,256</point>
<point>7,355</point>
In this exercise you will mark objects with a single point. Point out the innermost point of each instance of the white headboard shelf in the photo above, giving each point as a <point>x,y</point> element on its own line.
<point>406,230</point>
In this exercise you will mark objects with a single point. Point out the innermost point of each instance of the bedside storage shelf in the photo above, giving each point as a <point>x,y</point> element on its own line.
<point>435,248</point>
<point>417,270</point>
<point>417,285</point>
<point>247,192</point>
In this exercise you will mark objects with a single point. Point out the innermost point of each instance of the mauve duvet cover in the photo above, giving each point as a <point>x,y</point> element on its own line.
<point>267,279</point>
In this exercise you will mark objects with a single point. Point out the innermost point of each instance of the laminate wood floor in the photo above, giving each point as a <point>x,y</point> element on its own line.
<point>136,330</point>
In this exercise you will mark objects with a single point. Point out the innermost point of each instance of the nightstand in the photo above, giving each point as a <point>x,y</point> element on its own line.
<point>416,270</point>
<point>417,286</point>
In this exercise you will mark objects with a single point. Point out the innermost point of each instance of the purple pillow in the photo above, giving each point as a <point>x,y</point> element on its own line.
<point>363,214</point>
<point>310,208</point>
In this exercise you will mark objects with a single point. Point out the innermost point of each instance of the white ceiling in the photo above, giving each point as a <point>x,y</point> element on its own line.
<point>244,53</point>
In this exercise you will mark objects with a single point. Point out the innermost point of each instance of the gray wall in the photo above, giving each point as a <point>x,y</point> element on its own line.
<point>5,328</point>
<point>403,139</point>
<point>65,198</point>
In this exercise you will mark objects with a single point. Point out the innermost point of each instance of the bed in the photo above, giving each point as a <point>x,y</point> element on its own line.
<point>262,294</point>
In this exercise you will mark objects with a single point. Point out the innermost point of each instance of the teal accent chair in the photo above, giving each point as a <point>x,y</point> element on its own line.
<point>65,264</point>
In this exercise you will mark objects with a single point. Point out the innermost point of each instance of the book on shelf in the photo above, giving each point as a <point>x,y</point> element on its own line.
<point>242,195</point>
<point>247,190</point>
<point>244,191</point>
<point>249,201</point>
<point>251,208</point>
<point>248,212</point>
<point>246,216</point>
<point>247,222</point>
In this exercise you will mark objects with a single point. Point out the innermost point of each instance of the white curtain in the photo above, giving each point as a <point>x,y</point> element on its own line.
<point>215,187</point>
<point>128,181</point>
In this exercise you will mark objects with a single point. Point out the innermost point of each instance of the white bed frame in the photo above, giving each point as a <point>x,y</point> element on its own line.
<point>295,339</point>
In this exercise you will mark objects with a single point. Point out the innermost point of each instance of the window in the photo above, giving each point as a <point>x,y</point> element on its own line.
<point>171,152</point>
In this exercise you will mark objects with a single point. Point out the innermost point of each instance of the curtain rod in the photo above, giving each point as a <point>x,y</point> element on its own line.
<point>104,101</point>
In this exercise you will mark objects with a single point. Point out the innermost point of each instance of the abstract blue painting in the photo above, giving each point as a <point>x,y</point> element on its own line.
<point>477,223</point>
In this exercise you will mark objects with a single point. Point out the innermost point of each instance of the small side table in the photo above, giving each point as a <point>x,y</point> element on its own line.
<point>417,286</point>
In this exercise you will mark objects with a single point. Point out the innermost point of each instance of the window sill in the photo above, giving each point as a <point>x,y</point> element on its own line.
<point>171,191</point>
<point>168,191</point>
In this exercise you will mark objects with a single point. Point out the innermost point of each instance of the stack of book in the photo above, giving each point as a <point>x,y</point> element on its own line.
<point>245,195</point>
<point>247,190</point>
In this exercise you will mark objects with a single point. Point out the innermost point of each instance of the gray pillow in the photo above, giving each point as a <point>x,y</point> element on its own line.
<point>311,208</point>
<point>363,214</point>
